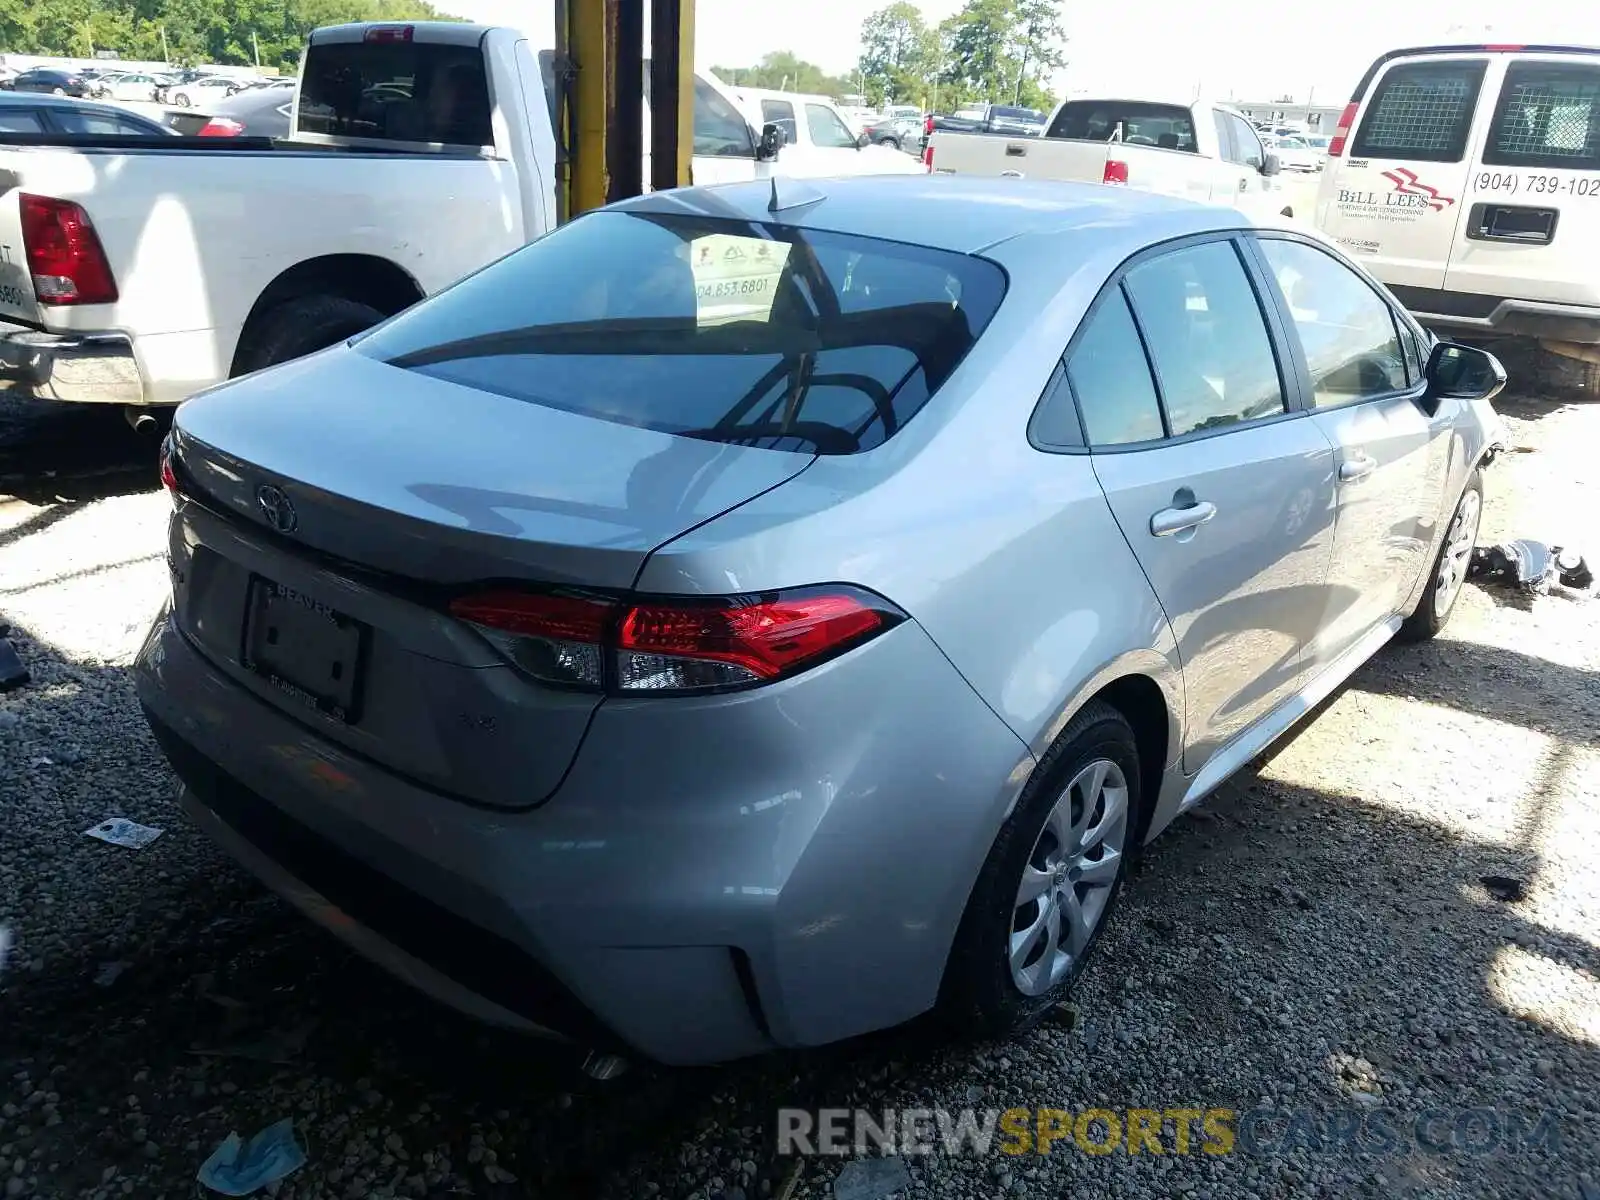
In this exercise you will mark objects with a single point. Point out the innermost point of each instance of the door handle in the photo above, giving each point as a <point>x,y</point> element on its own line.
<point>1175,520</point>
<point>1352,469</point>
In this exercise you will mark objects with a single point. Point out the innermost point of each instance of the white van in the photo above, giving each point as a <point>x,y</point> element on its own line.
<point>1467,178</point>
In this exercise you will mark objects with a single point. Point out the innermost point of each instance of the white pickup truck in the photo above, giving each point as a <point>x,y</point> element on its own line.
<point>1199,151</point>
<point>138,271</point>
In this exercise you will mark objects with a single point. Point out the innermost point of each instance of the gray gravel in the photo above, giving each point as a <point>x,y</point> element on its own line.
<point>1318,940</point>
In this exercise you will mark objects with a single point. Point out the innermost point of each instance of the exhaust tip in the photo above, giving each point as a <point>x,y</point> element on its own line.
<point>143,421</point>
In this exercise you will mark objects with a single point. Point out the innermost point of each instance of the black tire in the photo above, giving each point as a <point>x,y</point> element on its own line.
<point>1430,615</point>
<point>182,100</point>
<point>892,143</point>
<point>979,996</point>
<point>298,327</point>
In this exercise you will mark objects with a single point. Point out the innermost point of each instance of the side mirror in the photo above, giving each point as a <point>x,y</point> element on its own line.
<point>773,140</point>
<point>863,139</point>
<point>1271,164</point>
<point>1457,372</point>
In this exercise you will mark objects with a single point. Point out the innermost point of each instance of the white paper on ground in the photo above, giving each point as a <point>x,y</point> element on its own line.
<point>120,831</point>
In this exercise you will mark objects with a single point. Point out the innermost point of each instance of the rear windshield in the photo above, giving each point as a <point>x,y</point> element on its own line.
<point>1421,111</point>
<point>1548,116</point>
<point>396,92</point>
<point>1168,126</point>
<point>732,331</point>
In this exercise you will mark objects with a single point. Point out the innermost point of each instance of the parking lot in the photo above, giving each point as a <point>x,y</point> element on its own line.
<point>1317,940</point>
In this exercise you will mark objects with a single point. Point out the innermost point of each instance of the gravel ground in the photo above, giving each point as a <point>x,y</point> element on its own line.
<point>1317,941</point>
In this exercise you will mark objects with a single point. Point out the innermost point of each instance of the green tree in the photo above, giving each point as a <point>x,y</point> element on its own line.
<point>899,54</point>
<point>980,39</point>
<point>1039,47</point>
<point>782,71</point>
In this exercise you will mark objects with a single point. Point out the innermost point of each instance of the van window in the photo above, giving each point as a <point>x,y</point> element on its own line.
<point>1421,111</point>
<point>1137,124</point>
<point>725,330</point>
<point>1548,116</point>
<point>396,91</point>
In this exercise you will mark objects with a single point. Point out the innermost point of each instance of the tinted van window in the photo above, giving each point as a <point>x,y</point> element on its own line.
<point>1421,111</point>
<point>1548,116</point>
<point>1206,334</point>
<point>1133,122</point>
<point>762,335</point>
<point>397,92</point>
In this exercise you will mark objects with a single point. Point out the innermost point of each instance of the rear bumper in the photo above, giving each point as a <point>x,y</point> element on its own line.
<point>1471,312</point>
<point>792,878</point>
<point>75,368</point>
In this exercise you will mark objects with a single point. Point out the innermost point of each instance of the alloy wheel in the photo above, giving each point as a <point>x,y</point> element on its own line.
<point>1457,556</point>
<point>1068,879</point>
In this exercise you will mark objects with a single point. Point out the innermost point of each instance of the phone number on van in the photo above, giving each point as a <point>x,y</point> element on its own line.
<point>1536,185</point>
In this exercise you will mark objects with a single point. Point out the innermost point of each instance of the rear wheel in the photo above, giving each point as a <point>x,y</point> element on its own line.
<point>181,100</point>
<point>298,327</point>
<point>1450,567</point>
<point>1050,881</point>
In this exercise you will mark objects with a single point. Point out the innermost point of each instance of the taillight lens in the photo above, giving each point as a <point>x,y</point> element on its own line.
<point>554,638</point>
<point>65,257</point>
<point>1116,172</point>
<point>169,472</point>
<point>1341,132</point>
<point>389,33</point>
<point>221,127</point>
<point>673,646</point>
<point>927,157</point>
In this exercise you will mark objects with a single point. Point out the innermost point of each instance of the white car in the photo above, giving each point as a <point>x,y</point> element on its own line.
<point>1467,178</point>
<point>130,85</point>
<point>202,91</point>
<point>1295,153</point>
<point>818,139</point>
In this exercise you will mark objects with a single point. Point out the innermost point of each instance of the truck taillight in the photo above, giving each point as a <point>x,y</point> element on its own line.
<point>672,646</point>
<point>221,127</point>
<point>1341,132</point>
<point>389,33</point>
<point>1116,171</point>
<point>927,157</point>
<point>65,257</point>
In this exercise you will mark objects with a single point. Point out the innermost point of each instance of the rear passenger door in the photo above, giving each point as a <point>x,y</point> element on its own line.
<point>1224,494</point>
<point>1363,382</point>
<point>1532,227</point>
<point>1403,188</point>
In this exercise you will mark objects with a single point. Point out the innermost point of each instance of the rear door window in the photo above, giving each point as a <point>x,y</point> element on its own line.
<point>1207,337</point>
<point>763,335</point>
<point>1136,123</point>
<point>415,92</point>
<point>1110,377</point>
<point>1421,111</point>
<point>1548,115</point>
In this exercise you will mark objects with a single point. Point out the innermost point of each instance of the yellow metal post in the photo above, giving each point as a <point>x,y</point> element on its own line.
<point>584,56</point>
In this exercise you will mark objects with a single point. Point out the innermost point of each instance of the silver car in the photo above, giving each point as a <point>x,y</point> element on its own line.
<point>748,617</point>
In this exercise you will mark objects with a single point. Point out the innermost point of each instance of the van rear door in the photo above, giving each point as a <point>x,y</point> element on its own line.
<point>1400,190</point>
<point>1531,225</point>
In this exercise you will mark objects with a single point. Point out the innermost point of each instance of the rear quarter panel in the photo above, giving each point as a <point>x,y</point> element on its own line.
<point>193,238</point>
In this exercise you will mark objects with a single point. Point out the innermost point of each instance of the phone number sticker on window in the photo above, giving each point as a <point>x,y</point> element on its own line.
<point>1513,183</point>
<point>728,288</point>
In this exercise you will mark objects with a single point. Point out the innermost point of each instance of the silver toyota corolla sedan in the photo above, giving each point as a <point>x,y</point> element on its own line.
<point>746,619</point>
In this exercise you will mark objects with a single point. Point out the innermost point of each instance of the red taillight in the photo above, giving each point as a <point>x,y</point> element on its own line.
<point>1341,132</point>
<point>927,157</point>
<point>389,33</point>
<point>1116,171</point>
<point>169,477</point>
<point>65,257</point>
<point>221,127</point>
<point>670,646</point>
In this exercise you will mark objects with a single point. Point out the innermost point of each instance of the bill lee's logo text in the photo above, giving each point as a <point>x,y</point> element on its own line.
<point>1383,199</point>
<point>1407,193</point>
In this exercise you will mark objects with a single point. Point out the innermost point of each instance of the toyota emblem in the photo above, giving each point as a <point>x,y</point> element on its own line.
<point>276,508</point>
